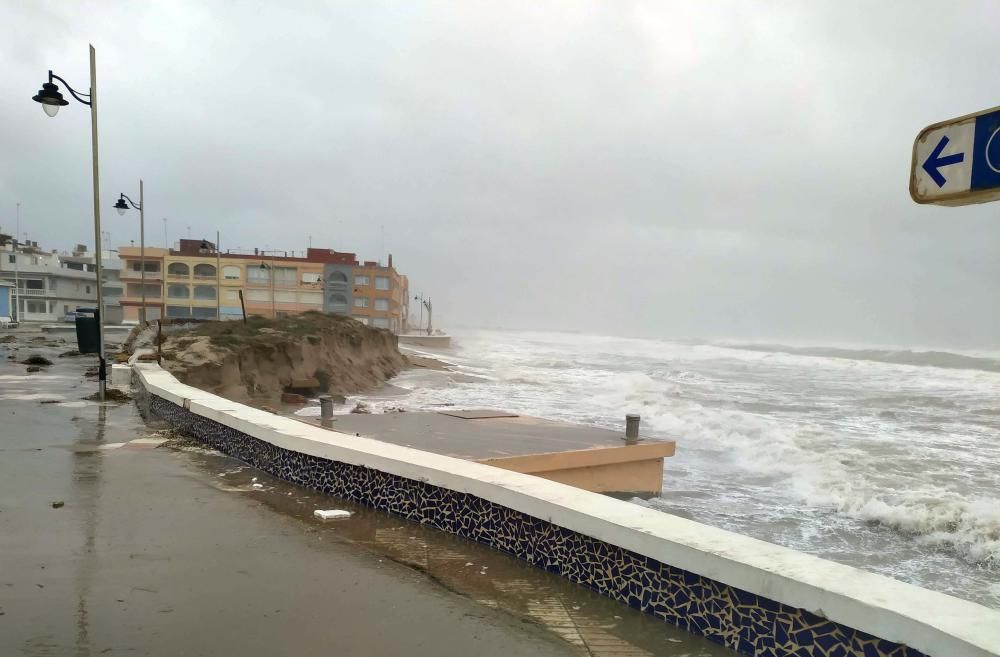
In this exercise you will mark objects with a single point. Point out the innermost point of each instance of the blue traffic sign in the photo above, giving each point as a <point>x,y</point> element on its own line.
<point>957,162</point>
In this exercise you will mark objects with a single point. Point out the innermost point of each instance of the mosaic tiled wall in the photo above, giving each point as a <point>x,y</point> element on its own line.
<point>737,619</point>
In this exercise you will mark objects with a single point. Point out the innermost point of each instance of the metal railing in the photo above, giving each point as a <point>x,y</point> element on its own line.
<point>25,292</point>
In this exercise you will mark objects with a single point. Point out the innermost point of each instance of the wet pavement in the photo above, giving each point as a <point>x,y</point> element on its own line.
<point>168,548</point>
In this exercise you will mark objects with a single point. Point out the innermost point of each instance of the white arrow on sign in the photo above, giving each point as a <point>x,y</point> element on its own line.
<point>942,161</point>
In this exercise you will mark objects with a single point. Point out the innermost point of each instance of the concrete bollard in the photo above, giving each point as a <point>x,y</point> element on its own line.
<point>631,428</point>
<point>326,407</point>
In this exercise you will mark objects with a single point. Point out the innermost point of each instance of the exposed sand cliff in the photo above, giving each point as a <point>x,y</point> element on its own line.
<point>263,358</point>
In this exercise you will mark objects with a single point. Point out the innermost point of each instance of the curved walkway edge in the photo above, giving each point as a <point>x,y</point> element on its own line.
<point>754,597</point>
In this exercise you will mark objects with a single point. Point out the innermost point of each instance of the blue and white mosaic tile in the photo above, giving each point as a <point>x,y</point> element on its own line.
<point>739,620</point>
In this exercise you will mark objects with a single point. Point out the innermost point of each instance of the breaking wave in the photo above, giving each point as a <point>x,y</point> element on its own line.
<point>943,359</point>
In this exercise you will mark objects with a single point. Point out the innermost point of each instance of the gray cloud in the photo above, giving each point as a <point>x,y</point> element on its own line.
<point>670,169</point>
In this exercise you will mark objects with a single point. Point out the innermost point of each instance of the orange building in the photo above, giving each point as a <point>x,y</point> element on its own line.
<point>197,281</point>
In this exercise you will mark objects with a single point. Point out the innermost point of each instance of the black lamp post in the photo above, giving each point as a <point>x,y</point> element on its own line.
<point>51,100</point>
<point>122,208</point>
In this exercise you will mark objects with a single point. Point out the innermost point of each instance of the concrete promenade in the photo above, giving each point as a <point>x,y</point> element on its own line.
<point>171,550</point>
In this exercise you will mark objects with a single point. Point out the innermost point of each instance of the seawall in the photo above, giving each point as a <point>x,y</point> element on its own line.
<point>756,598</point>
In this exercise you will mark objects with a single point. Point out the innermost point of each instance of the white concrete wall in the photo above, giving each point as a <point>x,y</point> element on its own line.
<point>934,623</point>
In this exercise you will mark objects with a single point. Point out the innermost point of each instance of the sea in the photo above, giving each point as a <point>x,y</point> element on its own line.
<point>883,459</point>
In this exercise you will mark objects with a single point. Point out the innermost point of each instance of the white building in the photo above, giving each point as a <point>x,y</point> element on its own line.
<point>47,285</point>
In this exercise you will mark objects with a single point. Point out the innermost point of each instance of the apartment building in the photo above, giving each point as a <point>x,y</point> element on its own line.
<point>46,285</point>
<point>380,296</point>
<point>195,280</point>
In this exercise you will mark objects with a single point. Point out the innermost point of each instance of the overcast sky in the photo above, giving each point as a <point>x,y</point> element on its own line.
<point>670,169</point>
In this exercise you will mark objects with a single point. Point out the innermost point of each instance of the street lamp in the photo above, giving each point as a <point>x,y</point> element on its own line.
<point>51,100</point>
<point>122,208</point>
<point>270,272</point>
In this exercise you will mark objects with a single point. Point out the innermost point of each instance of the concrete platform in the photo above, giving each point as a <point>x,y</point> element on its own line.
<point>586,457</point>
<point>424,340</point>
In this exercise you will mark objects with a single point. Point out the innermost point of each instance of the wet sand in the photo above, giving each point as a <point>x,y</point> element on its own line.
<point>172,550</point>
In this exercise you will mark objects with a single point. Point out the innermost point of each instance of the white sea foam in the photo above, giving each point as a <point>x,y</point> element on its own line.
<point>840,453</point>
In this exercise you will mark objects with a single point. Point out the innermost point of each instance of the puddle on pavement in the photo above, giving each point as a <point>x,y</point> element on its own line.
<point>596,625</point>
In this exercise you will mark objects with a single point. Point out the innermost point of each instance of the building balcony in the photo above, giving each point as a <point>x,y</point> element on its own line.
<point>136,301</point>
<point>129,275</point>
<point>178,277</point>
<point>25,293</point>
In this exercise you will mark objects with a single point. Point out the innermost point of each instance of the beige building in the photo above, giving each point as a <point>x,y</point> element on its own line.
<point>195,281</point>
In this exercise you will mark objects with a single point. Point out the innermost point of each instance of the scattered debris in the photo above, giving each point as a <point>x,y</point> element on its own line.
<point>49,401</point>
<point>71,354</point>
<point>8,338</point>
<point>360,407</point>
<point>58,505</point>
<point>293,398</point>
<point>91,372</point>
<point>111,394</point>
<point>34,368</point>
<point>35,359</point>
<point>257,485</point>
<point>331,514</point>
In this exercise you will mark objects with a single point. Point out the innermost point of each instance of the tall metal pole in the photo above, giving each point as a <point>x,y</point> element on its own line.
<point>142,250</point>
<point>274,310</point>
<point>218,280</point>
<point>17,267</point>
<point>102,371</point>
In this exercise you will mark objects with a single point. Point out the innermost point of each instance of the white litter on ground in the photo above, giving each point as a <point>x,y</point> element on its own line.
<point>108,446</point>
<point>331,514</point>
<point>257,485</point>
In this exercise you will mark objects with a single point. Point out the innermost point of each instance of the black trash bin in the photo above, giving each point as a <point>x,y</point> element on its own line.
<point>87,336</point>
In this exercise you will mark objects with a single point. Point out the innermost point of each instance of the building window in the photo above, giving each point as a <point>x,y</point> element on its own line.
<point>381,282</point>
<point>231,273</point>
<point>361,280</point>
<point>337,277</point>
<point>12,258</point>
<point>380,322</point>
<point>178,311</point>
<point>204,271</point>
<point>311,277</point>
<point>34,284</point>
<point>381,304</point>
<point>258,295</point>
<point>203,313</point>
<point>135,290</point>
<point>35,306</point>
<point>258,274</point>
<point>151,267</point>
<point>286,276</point>
<point>178,269</point>
<point>204,292</point>
<point>231,295</point>
<point>311,298</point>
<point>87,288</point>
<point>338,303</point>
<point>360,302</point>
<point>178,292</point>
